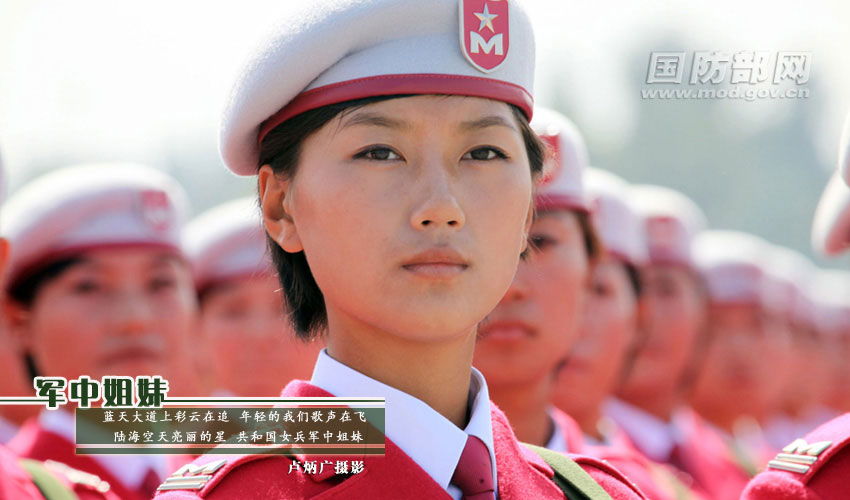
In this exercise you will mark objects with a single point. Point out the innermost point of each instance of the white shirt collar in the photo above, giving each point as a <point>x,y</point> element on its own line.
<point>7,430</point>
<point>558,441</point>
<point>129,469</point>
<point>427,437</point>
<point>654,437</point>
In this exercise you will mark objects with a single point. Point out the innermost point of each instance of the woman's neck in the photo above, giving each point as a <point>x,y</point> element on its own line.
<point>661,405</point>
<point>589,422</point>
<point>437,373</point>
<point>525,406</point>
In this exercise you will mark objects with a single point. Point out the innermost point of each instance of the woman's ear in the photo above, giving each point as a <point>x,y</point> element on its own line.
<point>16,324</point>
<point>275,201</point>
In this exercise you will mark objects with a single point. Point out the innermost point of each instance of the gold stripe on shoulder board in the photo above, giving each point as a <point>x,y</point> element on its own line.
<point>799,456</point>
<point>191,476</point>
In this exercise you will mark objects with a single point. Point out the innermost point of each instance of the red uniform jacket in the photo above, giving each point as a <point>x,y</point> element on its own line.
<point>707,459</point>
<point>823,472</point>
<point>654,480</point>
<point>521,474</point>
<point>16,483</point>
<point>32,441</point>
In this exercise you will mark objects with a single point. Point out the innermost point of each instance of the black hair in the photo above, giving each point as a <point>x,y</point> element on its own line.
<point>25,288</point>
<point>634,279</point>
<point>280,149</point>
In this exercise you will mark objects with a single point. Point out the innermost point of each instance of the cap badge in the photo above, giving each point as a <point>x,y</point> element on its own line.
<point>661,232</point>
<point>484,33</point>
<point>156,210</point>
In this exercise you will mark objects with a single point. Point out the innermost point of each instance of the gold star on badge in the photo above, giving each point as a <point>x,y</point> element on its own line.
<point>486,19</point>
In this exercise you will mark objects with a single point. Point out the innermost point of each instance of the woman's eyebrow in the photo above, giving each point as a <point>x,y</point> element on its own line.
<point>487,121</point>
<point>374,120</point>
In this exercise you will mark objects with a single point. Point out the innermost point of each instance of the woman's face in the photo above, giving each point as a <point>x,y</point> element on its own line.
<point>121,312</point>
<point>607,333</point>
<point>411,212</point>
<point>732,375</point>
<point>670,320</point>
<point>534,325</point>
<point>254,351</point>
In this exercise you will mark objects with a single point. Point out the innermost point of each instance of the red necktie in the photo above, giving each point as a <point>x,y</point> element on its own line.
<point>474,472</point>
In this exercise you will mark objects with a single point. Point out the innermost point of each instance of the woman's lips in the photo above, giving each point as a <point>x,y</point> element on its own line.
<point>132,355</point>
<point>437,270</point>
<point>436,263</point>
<point>505,331</point>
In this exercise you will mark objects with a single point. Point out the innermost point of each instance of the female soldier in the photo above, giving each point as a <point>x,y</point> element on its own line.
<point>525,340</point>
<point>651,407</point>
<point>395,179</point>
<point>97,286</point>
<point>252,349</point>
<point>24,479</point>
<point>601,354</point>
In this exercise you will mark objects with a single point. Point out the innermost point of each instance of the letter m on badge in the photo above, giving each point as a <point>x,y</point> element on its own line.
<point>484,36</point>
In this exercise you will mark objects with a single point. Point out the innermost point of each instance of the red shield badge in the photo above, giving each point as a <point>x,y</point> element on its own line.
<point>484,33</point>
<point>156,210</point>
<point>552,166</point>
<point>662,233</point>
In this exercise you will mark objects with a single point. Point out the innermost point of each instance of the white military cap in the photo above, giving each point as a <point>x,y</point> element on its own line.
<point>227,241</point>
<point>78,208</point>
<point>621,229</point>
<point>562,182</point>
<point>788,274</point>
<point>796,267</point>
<point>831,296</point>
<point>831,225</point>
<point>729,264</point>
<point>672,222</point>
<point>331,51</point>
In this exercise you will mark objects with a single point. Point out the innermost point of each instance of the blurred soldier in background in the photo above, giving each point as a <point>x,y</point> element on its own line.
<point>831,295</point>
<point>27,479</point>
<point>13,374</point>
<point>650,407</point>
<point>97,285</point>
<point>731,388</point>
<point>817,464</point>
<point>251,349</point>
<point>603,352</point>
<point>524,340</point>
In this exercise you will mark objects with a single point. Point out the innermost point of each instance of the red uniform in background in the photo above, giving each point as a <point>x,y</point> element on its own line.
<point>17,484</point>
<point>35,442</point>
<point>654,480</point>
<point>704,456</point>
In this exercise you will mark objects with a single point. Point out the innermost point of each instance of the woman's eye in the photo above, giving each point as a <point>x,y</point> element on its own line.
<point>85,286</point>
<point>601,289</point>
<point>484,154</point>
<point>162,283</point>
<point>379,154</point>
<point>539,242</point>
